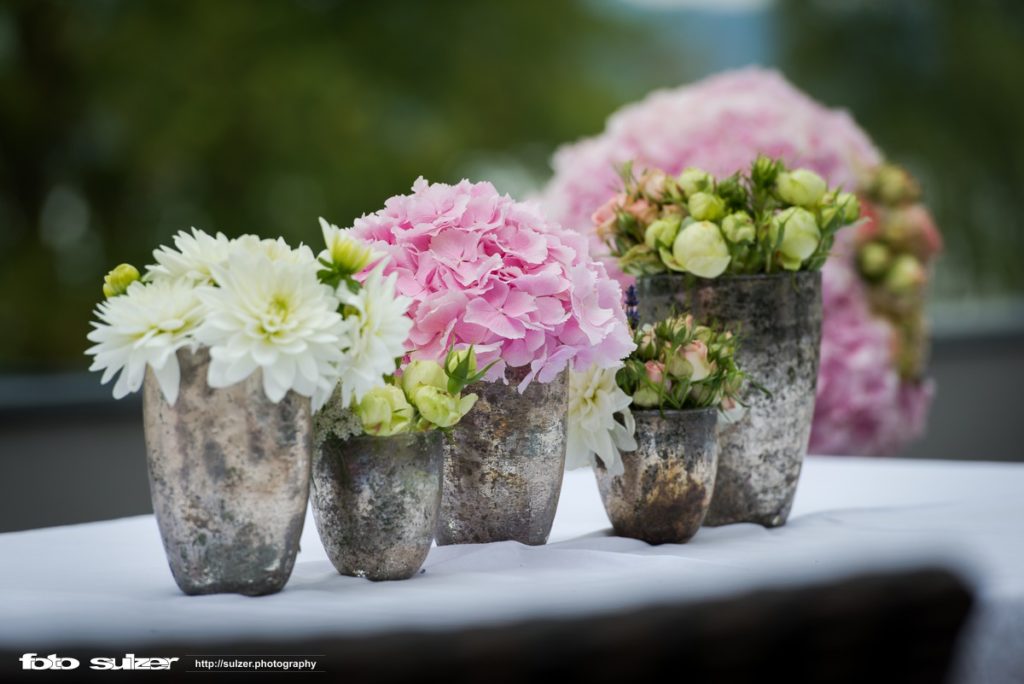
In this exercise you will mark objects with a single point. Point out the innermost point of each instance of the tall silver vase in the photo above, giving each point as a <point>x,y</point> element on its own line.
<point>665,490</point>
<point>504,462</point>
<point>375,502</point>
<point>778,319</point>
<point>229,476</point>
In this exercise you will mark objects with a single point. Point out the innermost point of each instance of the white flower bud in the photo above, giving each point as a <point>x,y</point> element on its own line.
<point>701,250</point>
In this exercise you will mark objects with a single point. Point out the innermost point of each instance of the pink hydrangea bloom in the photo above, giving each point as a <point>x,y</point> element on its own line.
<point>485,270</point>
<point>863,406</point>
<point>721,124</point>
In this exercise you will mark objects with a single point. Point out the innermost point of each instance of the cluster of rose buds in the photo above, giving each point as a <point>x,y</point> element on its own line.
<point>895,247</point>
<point>771,218</point>
<point>678,365</point>
<point>427,395</point>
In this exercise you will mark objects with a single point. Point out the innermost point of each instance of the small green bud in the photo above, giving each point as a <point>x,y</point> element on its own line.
<point>801,187</point>
<point>693,180</point>
<point>662,232</point>
<point>701,250</point>
<point>739,228</point>
<point>704,206</point>
<point>385,411</point>
<point>800,236</point>
<point>874,259</point>
<point>646,397</point>
<point>117,281</point>
<point>420,373</point>
<point>441,408</point>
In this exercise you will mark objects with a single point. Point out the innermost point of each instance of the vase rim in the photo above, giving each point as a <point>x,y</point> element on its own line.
<point>671,412</point>
<point>738,276</point>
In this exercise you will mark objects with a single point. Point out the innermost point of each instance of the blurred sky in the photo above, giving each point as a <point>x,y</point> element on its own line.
<point>122,122</point>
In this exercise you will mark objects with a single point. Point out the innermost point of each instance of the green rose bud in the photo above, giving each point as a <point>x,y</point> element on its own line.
<point>693,180</point>
<point>441,408</point>
<point>845,204</point>
<point>874,259</point>
<point>739,228</point>
<point>801,187</point>
<point>421,373</point>
<point>892,185</point>
<point>662,233</point>
<point>385,411</point>
<point>117,281</point>
<point>456,358</point>
<point>906,275</point>
<point>678,367</point>
<point>704,206</point>
<point>701,250</point>
<point>646,397</point>
<point>800,236</point>
<point>764,171</point>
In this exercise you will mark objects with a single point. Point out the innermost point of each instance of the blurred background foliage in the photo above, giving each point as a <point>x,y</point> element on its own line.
<point>124,121</point>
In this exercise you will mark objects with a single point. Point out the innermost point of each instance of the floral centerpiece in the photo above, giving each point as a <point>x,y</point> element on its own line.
<point>745,250</point>
<point>679,378</point>
<point>482,269</point>
<point>721,124</point>
<point>235,342</point>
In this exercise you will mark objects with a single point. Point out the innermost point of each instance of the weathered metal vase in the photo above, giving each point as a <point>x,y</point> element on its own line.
<point>504,462</point>
<point>778,319</point>
<point>665,490</point>
<point>375,502</point>
<point>229,476</point>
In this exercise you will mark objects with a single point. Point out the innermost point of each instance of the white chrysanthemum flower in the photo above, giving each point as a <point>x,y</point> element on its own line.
<point>273,249</point>
<point>191,257</point>
<point>594,399</point>
<point>145,327</point>
<point>349,254</point>
<point>379,333</point>
<point>274,316</point>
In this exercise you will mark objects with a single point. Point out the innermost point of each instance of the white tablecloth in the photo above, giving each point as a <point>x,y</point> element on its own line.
<point>107,584</point>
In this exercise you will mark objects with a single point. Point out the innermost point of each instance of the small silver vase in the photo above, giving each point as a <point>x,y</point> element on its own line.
<point>375,502</point>
<point>229,476</point>
<point>665,490</point>
<point>504,462</point>
<point>778,320</point>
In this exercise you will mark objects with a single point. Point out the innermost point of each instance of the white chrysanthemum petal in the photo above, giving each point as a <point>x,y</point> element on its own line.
<point>594,401</point>
<point>145,327</point>
<point>270,312</point>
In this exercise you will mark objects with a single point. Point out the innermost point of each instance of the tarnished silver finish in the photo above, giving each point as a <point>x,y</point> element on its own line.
<point>504,462</point>
<point>229,476</point>
<point>665,490</point>
<point>375,502</point>
<point>778,319</point>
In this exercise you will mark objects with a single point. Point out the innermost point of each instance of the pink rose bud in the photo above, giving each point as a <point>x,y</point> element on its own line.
<point>696,354</point>
<point>655,371</point>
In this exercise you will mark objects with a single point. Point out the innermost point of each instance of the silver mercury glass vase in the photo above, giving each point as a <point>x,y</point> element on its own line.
<point>504,462</point>
<point>375,501</point>
<point>229,476</point>
<point>778,320</point>
<point>665,490</point>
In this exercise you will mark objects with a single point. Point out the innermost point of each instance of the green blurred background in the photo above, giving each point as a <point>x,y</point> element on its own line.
<point>124,121</point>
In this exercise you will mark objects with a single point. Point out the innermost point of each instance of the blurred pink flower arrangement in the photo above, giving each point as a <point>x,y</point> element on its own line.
<point>485,270</point>
<point>865,405</point>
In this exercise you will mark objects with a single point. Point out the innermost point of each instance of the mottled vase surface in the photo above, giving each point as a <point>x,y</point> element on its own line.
<point>665,490</point>
<point>503,465</point>
<point>229,477</point>
<point>375,502</point>
<point>778,319</point>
